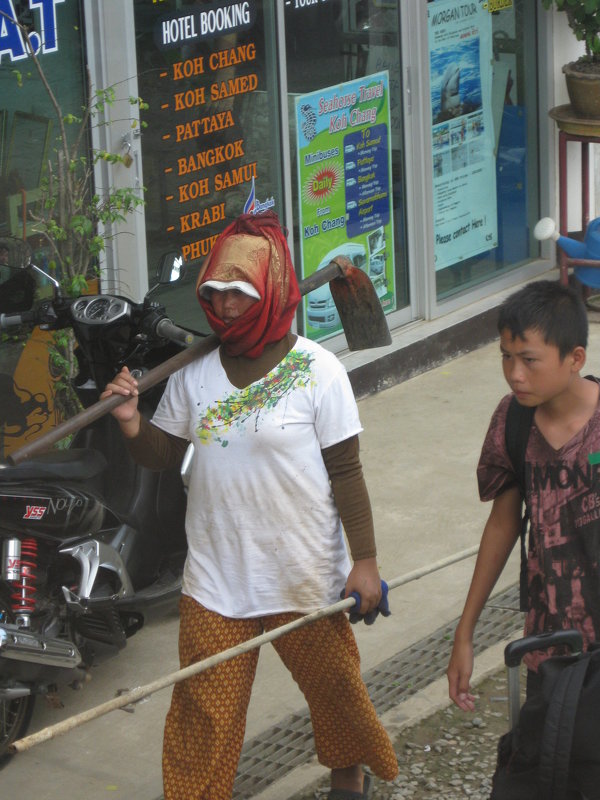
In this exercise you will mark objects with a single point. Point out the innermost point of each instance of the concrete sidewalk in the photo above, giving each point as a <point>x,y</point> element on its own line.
<point>419,448</point>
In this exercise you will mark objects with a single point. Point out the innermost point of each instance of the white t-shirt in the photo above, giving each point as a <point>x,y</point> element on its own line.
<point>264,533</point>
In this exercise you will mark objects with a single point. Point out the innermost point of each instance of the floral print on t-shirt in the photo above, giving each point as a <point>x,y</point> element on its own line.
<point>242,405</point>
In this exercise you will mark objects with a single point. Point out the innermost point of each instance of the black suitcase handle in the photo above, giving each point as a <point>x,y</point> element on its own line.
<point>514,652</point>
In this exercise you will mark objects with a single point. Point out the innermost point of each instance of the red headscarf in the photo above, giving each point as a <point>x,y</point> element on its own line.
<point>253,249</point>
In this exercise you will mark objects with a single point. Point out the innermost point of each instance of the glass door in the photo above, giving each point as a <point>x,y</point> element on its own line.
<point>344,90</point>
<point>484,137</point>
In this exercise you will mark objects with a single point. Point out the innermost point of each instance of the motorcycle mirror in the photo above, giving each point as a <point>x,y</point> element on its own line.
<point>46,277</point>
<point>170,267</point>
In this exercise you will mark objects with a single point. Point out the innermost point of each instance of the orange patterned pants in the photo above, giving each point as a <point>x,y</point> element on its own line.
<point>204,730</point>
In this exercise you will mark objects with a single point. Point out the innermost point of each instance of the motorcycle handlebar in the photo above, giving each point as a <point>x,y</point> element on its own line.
<point>11,320</point>
<point>168,330</point>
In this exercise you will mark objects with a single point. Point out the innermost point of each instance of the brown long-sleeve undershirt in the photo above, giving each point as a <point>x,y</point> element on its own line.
<point>156,449</point>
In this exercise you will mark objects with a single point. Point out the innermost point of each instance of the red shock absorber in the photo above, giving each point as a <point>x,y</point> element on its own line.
<point>23,600</point>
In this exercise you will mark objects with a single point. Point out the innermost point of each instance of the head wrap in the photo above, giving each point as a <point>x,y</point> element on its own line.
<point>253,249</point>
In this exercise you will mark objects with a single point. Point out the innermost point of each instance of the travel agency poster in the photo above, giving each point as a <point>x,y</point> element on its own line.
<point>344,180</point>
<point>463,141</point>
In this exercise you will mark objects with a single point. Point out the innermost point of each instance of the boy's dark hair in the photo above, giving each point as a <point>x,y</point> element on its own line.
<point>556,311</point>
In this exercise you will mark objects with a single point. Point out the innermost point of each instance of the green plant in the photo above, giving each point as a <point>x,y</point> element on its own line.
<point>73,216</point>
<point>584,20</point>
<point>63,368</point>
<point>71,208</point>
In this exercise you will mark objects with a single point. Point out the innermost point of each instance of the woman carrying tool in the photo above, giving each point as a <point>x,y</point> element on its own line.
<point>275,427</point>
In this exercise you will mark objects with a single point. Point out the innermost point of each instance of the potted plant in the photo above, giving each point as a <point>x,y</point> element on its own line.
<point>583,75</point>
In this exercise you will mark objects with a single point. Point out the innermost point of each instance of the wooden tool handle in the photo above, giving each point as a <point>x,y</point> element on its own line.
<point>94,412</point>
<point>157,374</point>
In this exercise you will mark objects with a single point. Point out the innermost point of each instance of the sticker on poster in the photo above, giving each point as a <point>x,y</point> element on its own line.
<point>253,205</point>
<point>498,5</point>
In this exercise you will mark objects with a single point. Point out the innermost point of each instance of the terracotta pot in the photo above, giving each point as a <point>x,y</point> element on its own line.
<point>584,91</point>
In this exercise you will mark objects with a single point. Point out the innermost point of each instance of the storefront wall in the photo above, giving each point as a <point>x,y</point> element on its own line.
<point>266,106</point>
<point>405,136</point>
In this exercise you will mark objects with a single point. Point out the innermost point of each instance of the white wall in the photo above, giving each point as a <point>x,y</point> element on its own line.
<point>566,48</point>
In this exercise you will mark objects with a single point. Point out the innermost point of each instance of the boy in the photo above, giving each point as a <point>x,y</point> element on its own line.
<point>543,338</point>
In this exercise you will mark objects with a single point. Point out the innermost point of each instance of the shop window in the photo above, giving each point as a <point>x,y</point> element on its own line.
<point>484,113</point>
<point>28,125</point>
<point>28,144</point>
<point>345,111</point>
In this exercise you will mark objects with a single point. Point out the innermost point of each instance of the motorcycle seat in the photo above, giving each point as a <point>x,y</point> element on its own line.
<point>78,464</point>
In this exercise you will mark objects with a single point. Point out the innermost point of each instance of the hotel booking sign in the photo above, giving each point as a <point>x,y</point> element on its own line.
<point>204,152</point>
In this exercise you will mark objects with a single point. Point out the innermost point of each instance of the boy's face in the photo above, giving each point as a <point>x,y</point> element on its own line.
<point>534,370</point>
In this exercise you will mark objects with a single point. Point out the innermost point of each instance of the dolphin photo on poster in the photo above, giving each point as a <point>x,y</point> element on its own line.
<point>455,81</point>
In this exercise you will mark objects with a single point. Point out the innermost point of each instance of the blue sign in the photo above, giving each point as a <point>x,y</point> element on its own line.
<point>12,42</point>
<point>367,179</point>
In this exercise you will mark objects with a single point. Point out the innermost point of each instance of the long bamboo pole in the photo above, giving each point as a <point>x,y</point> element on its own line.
<point>140,692</point>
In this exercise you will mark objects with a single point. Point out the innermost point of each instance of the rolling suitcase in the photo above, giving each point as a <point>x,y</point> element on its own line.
<point>552,748</point>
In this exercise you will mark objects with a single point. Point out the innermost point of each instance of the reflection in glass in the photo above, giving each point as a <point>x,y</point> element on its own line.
<point>514,110</point>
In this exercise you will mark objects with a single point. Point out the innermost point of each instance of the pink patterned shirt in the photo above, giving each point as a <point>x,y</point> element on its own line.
<point>563,497</point>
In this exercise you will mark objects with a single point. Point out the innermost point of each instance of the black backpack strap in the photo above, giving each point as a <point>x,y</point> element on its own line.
<point>557,738</point>
<point>518,424</point>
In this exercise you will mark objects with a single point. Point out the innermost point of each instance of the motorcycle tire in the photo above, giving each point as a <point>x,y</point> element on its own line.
<point>15,715</point>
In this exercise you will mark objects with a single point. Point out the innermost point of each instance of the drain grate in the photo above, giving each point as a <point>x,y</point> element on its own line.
<point>275,752</point>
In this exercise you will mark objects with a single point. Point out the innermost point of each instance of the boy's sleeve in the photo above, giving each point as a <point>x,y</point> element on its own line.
<point>495,473</point>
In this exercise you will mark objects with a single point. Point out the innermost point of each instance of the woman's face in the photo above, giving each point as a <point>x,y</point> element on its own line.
<point>230,304</point>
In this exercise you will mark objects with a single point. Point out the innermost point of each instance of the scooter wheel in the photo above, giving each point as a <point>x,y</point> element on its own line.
<point>15,715</point>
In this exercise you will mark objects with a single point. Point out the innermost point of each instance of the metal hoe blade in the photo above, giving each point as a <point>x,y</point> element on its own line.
<point>359,308</point>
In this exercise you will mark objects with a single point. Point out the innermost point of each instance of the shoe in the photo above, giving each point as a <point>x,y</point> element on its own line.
<point>346,794</point>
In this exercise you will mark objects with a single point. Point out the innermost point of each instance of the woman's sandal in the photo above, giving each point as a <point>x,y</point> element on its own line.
<point>345,794</point>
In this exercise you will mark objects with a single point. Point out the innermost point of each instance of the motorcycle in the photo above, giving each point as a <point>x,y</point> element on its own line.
<point>92,543</point>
